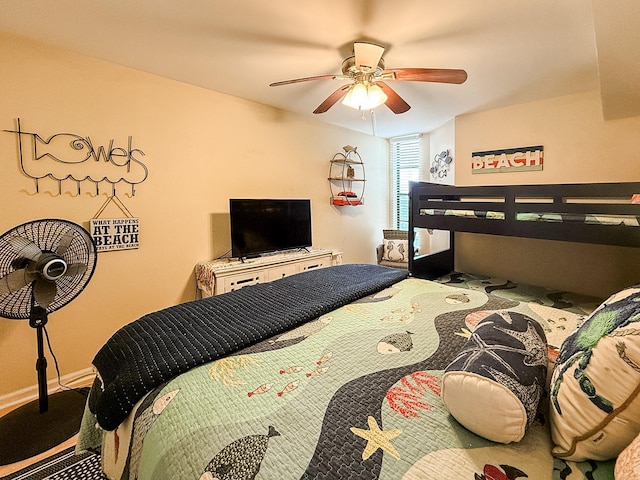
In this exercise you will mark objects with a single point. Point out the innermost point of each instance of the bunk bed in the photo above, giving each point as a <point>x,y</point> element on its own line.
<point>600,213</point>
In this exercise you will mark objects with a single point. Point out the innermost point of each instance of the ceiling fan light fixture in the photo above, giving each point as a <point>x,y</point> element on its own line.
<point>369,89</point>
<point>364,96</point>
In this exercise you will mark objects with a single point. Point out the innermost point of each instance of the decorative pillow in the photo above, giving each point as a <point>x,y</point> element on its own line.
<point>595,401</point>
<point>395,250</point>
<point>628,462</point>
<point>494,385</point>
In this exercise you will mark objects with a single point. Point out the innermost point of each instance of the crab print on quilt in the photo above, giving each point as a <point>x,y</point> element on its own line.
<point>352,395</point>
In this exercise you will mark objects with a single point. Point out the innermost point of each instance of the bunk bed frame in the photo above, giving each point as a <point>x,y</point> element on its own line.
<point>600,213</point>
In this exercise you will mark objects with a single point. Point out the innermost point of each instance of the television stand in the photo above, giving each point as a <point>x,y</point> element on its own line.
<point>227,274</point>
<point>249,257</point>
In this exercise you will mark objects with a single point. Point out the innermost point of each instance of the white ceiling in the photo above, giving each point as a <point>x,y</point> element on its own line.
<point>514,51</point>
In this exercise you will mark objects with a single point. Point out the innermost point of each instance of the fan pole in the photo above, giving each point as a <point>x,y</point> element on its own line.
<point>37,320</point>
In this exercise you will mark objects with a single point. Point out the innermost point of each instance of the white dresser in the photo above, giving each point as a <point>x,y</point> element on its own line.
<point>227,274</point>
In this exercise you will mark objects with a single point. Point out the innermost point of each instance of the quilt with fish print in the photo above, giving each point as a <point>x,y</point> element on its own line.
<point>353,394</point>
<point>163,344</point>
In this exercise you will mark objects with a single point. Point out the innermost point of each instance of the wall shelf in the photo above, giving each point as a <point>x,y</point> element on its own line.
<point>347,178</point>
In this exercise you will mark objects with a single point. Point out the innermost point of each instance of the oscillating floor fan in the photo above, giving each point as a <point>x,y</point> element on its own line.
<point>44,264</point>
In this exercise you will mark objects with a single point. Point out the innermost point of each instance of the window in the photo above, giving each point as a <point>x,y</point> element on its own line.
<point>406,154</point>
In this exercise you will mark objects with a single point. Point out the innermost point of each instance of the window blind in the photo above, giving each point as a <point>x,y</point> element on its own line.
<point>406,154</point>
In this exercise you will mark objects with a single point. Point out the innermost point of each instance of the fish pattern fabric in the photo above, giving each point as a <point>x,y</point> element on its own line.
<point>571,302</point>
<point>353,395</point>
<point>163,344</point>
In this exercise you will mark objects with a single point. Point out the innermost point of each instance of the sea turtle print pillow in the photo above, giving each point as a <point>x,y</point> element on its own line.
<point>595,387</point>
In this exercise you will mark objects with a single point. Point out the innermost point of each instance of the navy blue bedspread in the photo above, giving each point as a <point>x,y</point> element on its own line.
<point>160,345</point>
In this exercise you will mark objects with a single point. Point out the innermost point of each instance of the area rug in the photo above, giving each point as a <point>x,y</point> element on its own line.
<point>65,465</point>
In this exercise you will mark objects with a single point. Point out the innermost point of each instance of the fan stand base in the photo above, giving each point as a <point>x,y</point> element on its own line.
<point>25,432</point>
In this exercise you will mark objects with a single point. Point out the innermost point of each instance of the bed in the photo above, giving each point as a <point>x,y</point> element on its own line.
<point>353,371</point>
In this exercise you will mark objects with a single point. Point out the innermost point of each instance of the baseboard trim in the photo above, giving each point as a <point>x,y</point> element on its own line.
<point>75,379</point>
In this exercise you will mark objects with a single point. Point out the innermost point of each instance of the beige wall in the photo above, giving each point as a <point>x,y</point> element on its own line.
<point>201,148</point>
<point>441,139</point>
<point>579,146</point>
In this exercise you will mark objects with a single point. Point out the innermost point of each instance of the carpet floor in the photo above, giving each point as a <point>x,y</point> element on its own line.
<point>65,465</point>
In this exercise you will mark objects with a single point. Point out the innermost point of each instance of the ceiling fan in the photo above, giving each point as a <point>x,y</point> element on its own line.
<point>368,88</point>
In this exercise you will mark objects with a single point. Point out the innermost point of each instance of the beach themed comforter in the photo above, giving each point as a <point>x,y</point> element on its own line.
<point>352,393</point>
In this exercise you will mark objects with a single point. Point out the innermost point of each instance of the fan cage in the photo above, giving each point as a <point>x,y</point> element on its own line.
<point>46,234</point>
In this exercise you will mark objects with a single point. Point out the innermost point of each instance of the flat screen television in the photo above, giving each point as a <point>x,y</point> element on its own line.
<point>267,225</point>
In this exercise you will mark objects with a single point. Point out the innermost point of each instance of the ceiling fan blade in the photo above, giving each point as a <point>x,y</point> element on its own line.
<point>75,269</point>
<point>439,75</point>
<point>367,55</point>
<point>308,79</point>
<point>394,101</point>
<point>14,281</point>
<point>25,248</point>
<point>65,242</point>
<point>44,292</point>
<point>332,99</point>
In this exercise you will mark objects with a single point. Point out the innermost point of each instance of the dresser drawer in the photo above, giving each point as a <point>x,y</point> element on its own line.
<point>313,264</point>
<point>236,282</point>
<point>281,271</point>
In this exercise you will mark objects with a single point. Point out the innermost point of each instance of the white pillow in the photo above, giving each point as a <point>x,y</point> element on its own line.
<point>485,407</point>
<point>395,250</point>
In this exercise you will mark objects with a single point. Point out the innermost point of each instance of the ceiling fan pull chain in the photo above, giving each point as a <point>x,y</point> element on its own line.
<point>373,124</point>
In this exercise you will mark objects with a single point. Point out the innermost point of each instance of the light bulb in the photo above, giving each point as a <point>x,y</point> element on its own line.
<point>364,96</point>
<point>376,96</point>
<point>356,97</point>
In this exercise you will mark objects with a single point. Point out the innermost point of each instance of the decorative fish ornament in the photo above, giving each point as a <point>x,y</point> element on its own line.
<point>289,387</point>
<point>240,460</point>
<point>265,387</point>
<point>326,357</point>
<point>305,330</point>
<point>505,472</point>
<point>456,298</point>
<point>395,343</point>
<point>292,369</point>
<point>318,371</point>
